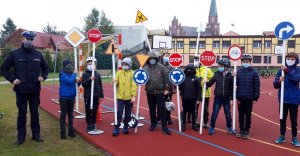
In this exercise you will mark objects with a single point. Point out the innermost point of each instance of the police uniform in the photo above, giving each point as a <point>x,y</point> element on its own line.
<point>28,65</point>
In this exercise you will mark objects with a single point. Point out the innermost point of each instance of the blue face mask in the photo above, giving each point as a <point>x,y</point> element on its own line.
<point>245,65</point>
<point>166,59</point>
<point>152,61</point>
<point>221,69</point>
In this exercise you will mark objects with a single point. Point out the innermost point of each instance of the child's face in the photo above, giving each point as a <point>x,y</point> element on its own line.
<point>291,58</point>
<point>246,61</point>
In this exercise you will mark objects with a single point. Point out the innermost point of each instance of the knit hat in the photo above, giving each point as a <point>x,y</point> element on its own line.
<point>66,62</point>
<point>128,61</point>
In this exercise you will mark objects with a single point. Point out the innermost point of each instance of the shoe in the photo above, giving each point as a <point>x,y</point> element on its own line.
<point>166,130</point>
<point>38,139</point>
<point>211,131</point>
<point>245,135</point>
<point>240,134</point>
<point>19,142</point>
<point>205,125</point>
<point>152,128</point>
<point>231,131</point>
<point>295,142</point>
<point>170,122</point>
<point>195,128</point>
<point>63,136</point>
<point>116,131</point>
<point>280,140</point>
<point>183,127</point>
<point>88,128</point>
<point>71,134</point>
<point>125,130</point>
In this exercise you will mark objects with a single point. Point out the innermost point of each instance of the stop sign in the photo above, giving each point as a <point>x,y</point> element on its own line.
<point>175,60</point>
<point>94,35</point>
<point>207,58</point>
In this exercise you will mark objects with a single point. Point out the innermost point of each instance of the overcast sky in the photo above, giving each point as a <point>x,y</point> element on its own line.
<point>250,17</point>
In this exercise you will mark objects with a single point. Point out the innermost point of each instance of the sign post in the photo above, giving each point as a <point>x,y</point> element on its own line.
<point>176,77</point>
<point>283,31</point>
<point>234,53</point>
<point>207,59</point>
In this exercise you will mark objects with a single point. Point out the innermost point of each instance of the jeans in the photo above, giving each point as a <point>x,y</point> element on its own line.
<point>34,102</point>
<point>157,101</point>
<point>66,107</point>
<point>91,114</point>
<point>293,109</point>
<point>218,102</point>
<point>127,105</point>
<point>245,110</point>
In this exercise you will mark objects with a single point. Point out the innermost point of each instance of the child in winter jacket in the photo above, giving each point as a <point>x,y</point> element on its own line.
<point>126,92</point>
<point>190,92</point>
<point>291,99</point>
<point>223,94</point>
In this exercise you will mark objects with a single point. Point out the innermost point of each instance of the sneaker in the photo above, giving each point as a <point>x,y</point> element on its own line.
<point>231,131</point>
<point>152,128</point>
<point>63,136</point>
<point>116,131</point>
<point>295,142</point>
<point>211,131</point>
<point>183,127</point>
<point>166,130</point>
<point>170,122</point>
<point>71,134</point>
<point>280,140</point>
<point>205,125</point>
<point>125,130</point>
<point>245,135</point>
<point>88,128</point>
<point>195,128</point>
<point>240,134</point>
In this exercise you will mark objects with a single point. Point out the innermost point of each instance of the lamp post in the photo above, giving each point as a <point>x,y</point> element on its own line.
<point>54,69</point>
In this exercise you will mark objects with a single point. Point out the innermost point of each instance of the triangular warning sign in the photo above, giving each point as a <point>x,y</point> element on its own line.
<point>140,17</point>
<point>142,59</point>
<point>112,48</point>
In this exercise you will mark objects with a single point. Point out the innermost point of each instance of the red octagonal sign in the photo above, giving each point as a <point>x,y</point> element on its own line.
<point>207,58</point>
<point>94,35</point>
<point>175,60</point>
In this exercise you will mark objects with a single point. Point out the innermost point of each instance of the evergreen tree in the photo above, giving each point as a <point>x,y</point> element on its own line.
<point>106,25</point>
<point>50,29</point>
<point>48,59</point>
<point>91,20</point>
<point>9,28</point>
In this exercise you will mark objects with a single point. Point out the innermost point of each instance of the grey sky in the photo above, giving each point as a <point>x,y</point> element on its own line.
<point>250,17</point>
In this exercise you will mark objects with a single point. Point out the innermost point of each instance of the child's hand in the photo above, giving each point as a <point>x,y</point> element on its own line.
<point>77,79</point>
<point>113,81</point>
<point>166,92</point>
<point>198,102</point>
<point>234,74</point>
<point>204,81</point>
<point>283,67</point>
<point>92,77</point>
<point>281,78</point>
<point>133,99</point>
<point>75,71</point>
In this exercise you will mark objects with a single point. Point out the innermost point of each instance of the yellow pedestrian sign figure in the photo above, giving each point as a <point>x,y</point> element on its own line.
<point>140,17</point>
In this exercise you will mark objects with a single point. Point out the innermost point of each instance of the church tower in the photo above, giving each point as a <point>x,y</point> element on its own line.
<point>213,26</point>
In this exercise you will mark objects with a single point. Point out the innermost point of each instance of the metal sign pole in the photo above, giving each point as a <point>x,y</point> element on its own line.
<point>234,95</point>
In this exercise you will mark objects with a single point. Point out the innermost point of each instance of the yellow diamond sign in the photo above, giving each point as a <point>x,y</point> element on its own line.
<point>74,37</point>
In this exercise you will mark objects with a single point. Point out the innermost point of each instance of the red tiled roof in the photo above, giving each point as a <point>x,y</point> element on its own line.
<point>231,33</point>
<point>268,33</point>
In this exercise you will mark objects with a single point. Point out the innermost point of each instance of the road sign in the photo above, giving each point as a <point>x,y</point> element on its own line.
<point>176,76</point>
<point>140,76</point>
<point>142,59</point>
<point>74,37</point>
<point>279,50</point>
<point>235,52</point>
<point>94,35</point>
<point>284,30</point>
<point>207,58</point>
<point>175,60</point>
<point>140,17</point>
<point>112,48</point>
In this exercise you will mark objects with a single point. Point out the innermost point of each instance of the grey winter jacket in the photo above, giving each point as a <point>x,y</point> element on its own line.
<point>158,79</point>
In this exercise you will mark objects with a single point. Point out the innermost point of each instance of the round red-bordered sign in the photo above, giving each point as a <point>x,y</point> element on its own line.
<point>235,52</point>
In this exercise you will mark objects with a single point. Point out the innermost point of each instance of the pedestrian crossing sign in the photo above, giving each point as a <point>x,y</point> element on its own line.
<point>140,17</point>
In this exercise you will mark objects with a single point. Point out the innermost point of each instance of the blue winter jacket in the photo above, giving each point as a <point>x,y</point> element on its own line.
<point>248,84</point>
<point>67,86</point>
<point>291,84</point>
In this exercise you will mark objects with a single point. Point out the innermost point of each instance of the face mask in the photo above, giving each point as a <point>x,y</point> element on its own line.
<point>90,67</point>
<point>152,61</point>
<point>290,62</point>
<point>221,69</point>
<point>166,59</point>
<point>125,67</point>
<point>28,44</point>
<point>246,65</point>
<point>196,64</point>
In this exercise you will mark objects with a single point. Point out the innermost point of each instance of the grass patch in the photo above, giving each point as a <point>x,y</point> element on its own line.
<point>52,145</point>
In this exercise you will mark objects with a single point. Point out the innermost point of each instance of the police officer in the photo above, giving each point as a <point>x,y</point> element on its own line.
<point>30,69</point>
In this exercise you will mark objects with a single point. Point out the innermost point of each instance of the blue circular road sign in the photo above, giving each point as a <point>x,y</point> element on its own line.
<point>284,30</point>
<point>140,76</point>
<point>176,76</point>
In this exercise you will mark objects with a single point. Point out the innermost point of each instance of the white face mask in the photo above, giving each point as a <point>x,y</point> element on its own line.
<point>125,67</point>
<point>196,64</point>
<point>290,62</point>
<point>90,67</point>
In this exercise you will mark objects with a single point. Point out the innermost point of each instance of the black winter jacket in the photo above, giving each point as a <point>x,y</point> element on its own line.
<point>224,84</point>
<point>28,65</point>
<point>190,88</point>
<point>248,84</point>
<point>87,82</point>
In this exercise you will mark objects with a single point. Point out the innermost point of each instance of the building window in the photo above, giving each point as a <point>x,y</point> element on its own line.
<point>280,42</point>
<point>201,44</point>
<point>179,44</point>
<point>216,44</point>
<point>191,59</point>
<point>256,59</point>
<point>267,59</point>
<point>291,44</point>
<point>224,56</point>
<point>268,44</point>
<point>226,44</point>
<point>173,44</point>
<point>256,44</point>
<point>192,44</point>
<point>218,58</point>
<point>279,59</point>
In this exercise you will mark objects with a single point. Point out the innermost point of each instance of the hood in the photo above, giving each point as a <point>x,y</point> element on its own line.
<point>296,63</point>
<point>192,68</point>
